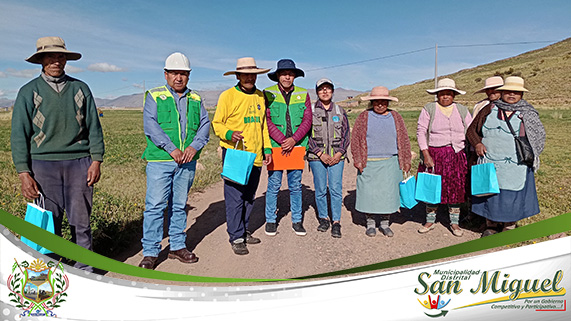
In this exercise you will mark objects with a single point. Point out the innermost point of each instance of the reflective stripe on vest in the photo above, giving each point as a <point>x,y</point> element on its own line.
<point>278,108</point>
<point>168,118</point>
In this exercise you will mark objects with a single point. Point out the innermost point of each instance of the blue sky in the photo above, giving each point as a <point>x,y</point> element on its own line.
<point>124,43</point>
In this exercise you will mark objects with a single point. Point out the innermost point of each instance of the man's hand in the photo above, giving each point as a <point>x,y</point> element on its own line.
<point>29,186</point>
<point>237,136</point>
<point>188,154</point>
<point>177,156</point>
<point>481,149</point>
<point>267,159</point>
<point>287,145</point>
<point>93,173</point>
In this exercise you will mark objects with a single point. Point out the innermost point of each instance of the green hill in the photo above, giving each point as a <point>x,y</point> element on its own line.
<point>547,74</point>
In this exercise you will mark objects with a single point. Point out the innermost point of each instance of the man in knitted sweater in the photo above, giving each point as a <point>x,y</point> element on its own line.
<point>57,141</point>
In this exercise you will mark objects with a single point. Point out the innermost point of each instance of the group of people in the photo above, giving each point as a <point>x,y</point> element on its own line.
<point>57,148</point>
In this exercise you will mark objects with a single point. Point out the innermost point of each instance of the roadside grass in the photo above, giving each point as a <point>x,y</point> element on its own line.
<point>119,197</point>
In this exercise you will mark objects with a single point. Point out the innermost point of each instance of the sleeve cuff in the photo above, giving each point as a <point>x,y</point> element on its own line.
<point>229,135</point>
<point>97,157</point>
<point>267,151</point>
<point>169,148</point>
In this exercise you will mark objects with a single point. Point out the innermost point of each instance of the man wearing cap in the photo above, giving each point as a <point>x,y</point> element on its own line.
<point>177,128</point>
<point>289,121</point>
<point>57,141</point>
<point>240,120</point>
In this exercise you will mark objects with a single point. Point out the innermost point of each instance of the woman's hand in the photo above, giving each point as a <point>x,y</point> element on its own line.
<point>480,149</point>
<point>359,167</point>
<point>406,168</point>
<point>428,161</point>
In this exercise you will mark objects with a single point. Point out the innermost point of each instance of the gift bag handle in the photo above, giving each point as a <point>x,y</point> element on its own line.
<point>40,201</point>
<point>238,142</point>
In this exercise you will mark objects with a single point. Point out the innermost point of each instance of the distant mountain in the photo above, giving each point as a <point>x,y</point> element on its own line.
<point>6,102</point>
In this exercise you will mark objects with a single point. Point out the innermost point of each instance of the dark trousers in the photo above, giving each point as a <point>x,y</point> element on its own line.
<point>239,201</point>
<point>64,186</point>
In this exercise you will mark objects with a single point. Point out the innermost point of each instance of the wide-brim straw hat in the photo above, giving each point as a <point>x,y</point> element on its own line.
<point>379,92</point>
<point>491,82</point>
<point>445,84</point>
<point>51,44</point>
<point>286,64</point>
<point>246,65</point>
<point>513,83</point>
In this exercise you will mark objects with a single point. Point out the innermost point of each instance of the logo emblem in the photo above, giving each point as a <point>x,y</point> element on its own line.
<point>163,97</point>
<point>37,288</point>
<point>435,304</point>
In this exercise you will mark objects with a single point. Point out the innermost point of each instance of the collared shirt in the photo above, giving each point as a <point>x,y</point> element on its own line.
<point>156,134</point>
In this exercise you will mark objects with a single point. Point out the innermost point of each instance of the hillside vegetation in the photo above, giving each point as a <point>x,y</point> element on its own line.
<point>547,74</point>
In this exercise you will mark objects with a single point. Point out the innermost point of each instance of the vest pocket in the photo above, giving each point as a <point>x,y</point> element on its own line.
<point>163,116</point>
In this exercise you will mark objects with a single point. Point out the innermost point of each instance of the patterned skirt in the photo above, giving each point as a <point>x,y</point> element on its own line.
<point>453,168</point>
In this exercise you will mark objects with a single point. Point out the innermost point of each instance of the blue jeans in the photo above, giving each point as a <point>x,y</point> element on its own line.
<point>323,174</point>
<point>274,185</point>
<point>167,184</point>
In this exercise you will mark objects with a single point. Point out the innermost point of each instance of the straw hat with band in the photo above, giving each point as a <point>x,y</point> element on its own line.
<point>513,83</point>
<point>286,64</point>
<point>491,82</point>
<point>246,65</point>
<point>379,92</point>
<point>51,44</point>
<point>445,84</point>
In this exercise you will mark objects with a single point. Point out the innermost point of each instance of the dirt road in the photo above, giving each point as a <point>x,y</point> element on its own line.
<point>286,254</point>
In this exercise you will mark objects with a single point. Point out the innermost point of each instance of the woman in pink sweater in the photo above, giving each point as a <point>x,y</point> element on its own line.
<point>441,135</point>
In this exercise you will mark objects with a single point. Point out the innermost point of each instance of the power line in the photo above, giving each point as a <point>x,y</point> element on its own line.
<point>495,44</point>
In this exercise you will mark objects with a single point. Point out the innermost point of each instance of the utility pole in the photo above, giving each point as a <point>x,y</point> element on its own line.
<point>435,68</point>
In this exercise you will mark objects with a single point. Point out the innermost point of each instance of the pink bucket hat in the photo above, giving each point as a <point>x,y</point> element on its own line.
<point>379,92</point>
<point>491,82</point>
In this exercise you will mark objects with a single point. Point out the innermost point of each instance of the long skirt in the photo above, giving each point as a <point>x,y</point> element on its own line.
<point>509,206</point>
<point>453,168</point>
<point>378,187</point>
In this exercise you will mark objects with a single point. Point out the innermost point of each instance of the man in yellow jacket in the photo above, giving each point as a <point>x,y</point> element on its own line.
<point>240,118</point>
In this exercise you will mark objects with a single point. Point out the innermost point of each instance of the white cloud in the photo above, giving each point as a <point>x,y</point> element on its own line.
<point>138,86</point>
<point>105,67</point>
<point>24,73</point>
<point>72,69</point>
<point>3,74</point>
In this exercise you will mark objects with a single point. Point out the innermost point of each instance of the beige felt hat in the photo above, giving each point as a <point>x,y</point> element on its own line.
<point>513,83</point>
<point>445,84</point>
<point>491,82</point>
<point>379,92</point>
<point>51,44</point>
<point>246,65</point>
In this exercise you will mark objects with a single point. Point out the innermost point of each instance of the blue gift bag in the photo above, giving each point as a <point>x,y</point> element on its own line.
<point>238,165</point>
<point>40,217</point>
<point>484,181</point>
<point>407,189</point>
<point>428,188</point>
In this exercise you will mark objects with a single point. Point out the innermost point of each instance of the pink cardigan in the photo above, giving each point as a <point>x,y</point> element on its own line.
<point>445,131</point>
<point>359,139</point>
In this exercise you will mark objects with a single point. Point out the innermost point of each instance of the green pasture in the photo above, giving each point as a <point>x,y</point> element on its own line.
<point>119,198</point>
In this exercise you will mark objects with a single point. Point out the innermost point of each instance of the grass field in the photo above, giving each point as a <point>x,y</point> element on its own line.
<point>120,195</point>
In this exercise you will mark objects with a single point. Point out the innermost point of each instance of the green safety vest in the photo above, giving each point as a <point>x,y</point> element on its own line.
<point>278,108</point>
<point>169,120</point>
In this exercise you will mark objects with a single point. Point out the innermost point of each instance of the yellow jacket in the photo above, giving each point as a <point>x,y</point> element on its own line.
<point>238,111</point>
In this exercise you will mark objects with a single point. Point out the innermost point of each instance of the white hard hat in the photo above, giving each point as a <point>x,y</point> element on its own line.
<point>177,61</point>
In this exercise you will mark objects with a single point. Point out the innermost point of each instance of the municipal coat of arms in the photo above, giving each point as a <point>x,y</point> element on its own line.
<point>37,288</point>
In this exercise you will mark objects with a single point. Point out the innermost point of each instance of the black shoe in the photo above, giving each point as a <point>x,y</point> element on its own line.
<point>298,229</point>
<point>371,231</point>
<point>387,231</point>
<point>271,229</point>
<point>323,225</point>
<point>336,230</point>
<point>239,247</point>
<point>252,240</point>
<point>148,262</point>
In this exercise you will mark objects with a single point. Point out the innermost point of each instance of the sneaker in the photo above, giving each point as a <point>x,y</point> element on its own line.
<point>239,247</point>
<point>323,225</point>
<point>371,231</point>
<point>336,230</point>
<point>271,229</point>
<point>298,228</point>
<point>251,239</point>
<point>386,231</point>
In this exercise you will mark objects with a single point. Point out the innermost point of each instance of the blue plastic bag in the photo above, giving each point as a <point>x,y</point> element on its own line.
<point>407,189</point>
<point>238,165</point>
<point>428,188</point>
<point>40,217</point>
<point>484,180</point>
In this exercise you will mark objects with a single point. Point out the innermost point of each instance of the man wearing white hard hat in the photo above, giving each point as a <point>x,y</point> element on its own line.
<point>177,128</point>
<point>57,141</point>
